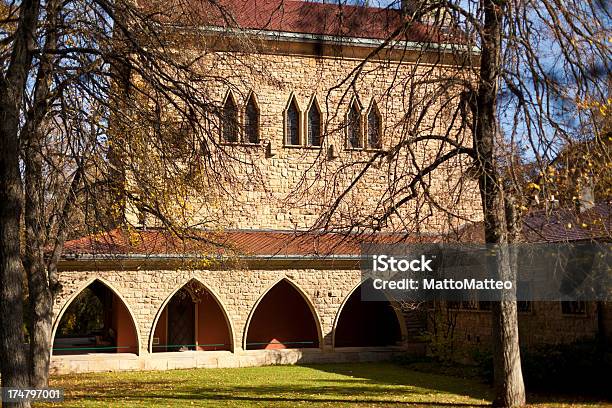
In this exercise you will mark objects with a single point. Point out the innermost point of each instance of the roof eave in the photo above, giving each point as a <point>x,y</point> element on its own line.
<point>76,262</point>
<point>273,35</point>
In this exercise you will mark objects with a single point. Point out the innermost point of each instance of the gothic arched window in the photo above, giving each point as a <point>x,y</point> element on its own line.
<point>314,124</point>
<point>229,120</point>
<point>353,125</point>
<point>374,127</point>
<point>292,123</point>
<point>251,121</point>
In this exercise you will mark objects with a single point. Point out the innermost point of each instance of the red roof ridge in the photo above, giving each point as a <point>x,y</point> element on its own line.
<point>231,242</point>
<point>294,16</point>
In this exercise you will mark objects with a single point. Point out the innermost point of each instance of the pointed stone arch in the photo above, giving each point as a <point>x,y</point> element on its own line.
<point>374,127</point>
<point>314,123</point>
<point>292,122</point>
<point>252,122</point>
<point>286,326</point>
<point>223,335</point>
<point>367,322</point>
<point>354,124</point>
<point>124,318</point>
<point>229,120</point>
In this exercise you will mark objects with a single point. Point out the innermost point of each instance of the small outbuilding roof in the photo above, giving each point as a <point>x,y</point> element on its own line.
<point>555,226</point>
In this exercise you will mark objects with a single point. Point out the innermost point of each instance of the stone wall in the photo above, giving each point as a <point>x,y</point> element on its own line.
<point>544,324</point>
<point>146,292</point>
<point>288,187</point>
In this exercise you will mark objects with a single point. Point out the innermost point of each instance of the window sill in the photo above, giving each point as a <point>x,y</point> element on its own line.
<point>365,149</point>
<point>241,144</point>
<point>305,147</point>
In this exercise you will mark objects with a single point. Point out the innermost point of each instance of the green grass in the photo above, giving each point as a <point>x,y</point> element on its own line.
<point>329,385</point>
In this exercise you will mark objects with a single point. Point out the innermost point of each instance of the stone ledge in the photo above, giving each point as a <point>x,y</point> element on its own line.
<point>73,364</point>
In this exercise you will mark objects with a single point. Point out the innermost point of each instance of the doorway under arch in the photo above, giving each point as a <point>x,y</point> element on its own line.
<point>367,323</point>
<point>192,319</point>
<point>282,319</point>
<point>96,321</point>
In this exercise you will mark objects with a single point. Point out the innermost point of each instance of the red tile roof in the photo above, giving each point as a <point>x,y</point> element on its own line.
<point>291,16</point>
<point>560,225</point>
<point>242,242</point>
<point>569,225</point>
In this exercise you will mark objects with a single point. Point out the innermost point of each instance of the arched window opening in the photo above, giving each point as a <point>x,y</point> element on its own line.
<point>292,125</point>
<point>229,120</point>
<point>96,321</point>
<point>314,124</point>
<point>374,128</point>
<point>191,320</point>
<point>282,319</point>
<point>367,323</point>
<point>353,126</point>
<point>251,121</point>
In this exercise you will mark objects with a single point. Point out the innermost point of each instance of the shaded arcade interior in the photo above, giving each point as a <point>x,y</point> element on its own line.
<point>367,323</point>
<point>192,320</point>
<point>96,321</point>
<point>282,319</point>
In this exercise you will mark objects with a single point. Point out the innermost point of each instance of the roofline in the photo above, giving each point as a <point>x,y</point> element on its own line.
<point>163,256</point>
<point>176,261</point>
<point>339,40</point>
<point>317,232</point>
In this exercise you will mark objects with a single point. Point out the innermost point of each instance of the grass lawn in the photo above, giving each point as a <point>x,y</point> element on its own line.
<point>329,385</point>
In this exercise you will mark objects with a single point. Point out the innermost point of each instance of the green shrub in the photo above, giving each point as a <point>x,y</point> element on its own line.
<point>409,359</point>
<point>484,360</point>
<point>582,367</point>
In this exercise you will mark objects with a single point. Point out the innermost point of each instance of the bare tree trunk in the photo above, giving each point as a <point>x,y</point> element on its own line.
<point>508,383</point>
<point>39,288</point>
<point>12,352</point>
<point>509,387</point>
<point>40,300</point>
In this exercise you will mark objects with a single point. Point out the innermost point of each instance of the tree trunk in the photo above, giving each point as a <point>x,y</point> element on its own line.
<point>39,288</point>
<point>12,351</point>
<point>40,333</point>
<point>508,383</point>
<point>40,300</point>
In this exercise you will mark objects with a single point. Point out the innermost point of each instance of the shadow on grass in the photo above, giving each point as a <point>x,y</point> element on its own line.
<point>468,386</point>
<point>547,399</point>
<point>392,374</point>
<point>362,384</point>
<point>275,395</point>
<point>348,385</point>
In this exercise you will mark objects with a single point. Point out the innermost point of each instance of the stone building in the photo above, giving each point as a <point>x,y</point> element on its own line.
<point>540,322</point>
<point>276,292</point>
<point>283,295</point>
<point>280,303</point>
